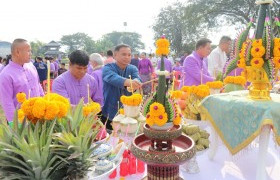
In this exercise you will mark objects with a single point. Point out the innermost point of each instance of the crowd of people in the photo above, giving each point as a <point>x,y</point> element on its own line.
<point>106,78</point>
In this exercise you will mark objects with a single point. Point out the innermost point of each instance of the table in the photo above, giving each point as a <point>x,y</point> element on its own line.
<point>227,167</point>
<point>238,120</point>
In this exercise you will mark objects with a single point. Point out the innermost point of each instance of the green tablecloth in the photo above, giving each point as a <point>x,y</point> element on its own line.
<point>238,119</point>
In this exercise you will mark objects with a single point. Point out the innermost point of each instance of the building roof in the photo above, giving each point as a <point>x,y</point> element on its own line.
<point>53,53</point>
<point>53,44</point>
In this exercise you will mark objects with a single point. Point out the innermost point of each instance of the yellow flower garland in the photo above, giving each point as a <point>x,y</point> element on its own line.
<point>162,46</point>
<point>176,94</point>
<point>43,108</point>
<point>133,100</point>
<point>241,63</point>
<point>93,107</point>
<point>235,80</point>
<point>215,84</point>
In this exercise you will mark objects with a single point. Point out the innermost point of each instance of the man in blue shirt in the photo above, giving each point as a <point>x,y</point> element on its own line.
<point>42,69</point>
<point>115,81</point>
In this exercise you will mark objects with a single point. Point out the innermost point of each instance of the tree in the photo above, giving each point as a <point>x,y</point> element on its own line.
<point>37,48</point>
<point>172,23</point>
<point>132,39</point>
<point>79,41</point>
<point>102,45</point>
<point>214,13</point>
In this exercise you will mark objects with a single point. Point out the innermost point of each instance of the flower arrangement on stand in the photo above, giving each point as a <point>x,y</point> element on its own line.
<point>59,138</point>
<point>161,110</point>
<point>258,56</point>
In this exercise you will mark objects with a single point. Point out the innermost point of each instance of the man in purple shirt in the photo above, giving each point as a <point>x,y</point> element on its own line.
<point>74,83</point>
<point>96,62</point>
<point>20,75</point>
<point>195,68</point>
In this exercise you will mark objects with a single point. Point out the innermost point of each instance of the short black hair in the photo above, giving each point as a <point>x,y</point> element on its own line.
<point>63,64</point>
<point>79,57</point>
<point>109,53</point>
<point>39,58</point>
<point>224,39</point>
<point>202,43</point>
<point>118,47</point>
<point>144,53</point>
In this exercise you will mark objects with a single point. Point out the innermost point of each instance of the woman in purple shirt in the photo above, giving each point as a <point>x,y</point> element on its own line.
<point>145,68</point>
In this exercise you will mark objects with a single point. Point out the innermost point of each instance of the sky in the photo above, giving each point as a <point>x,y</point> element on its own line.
<point>47,20</point>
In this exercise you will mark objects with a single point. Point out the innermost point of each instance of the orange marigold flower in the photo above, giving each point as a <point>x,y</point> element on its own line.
<point>257,51</point>
<point>257,62</point>
<point>241,63</point>
<point>276,51</point>
<point>21,115</point>
<point>21,97</point>
<point>257,42</point>
<point>276,61</point>
<point>161,119</point>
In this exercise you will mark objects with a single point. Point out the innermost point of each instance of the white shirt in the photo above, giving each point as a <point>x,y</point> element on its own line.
<point>216,61</point>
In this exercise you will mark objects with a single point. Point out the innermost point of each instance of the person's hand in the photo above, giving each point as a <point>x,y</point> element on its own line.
<point>134,83</point>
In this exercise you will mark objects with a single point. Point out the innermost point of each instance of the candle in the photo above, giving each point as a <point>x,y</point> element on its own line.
<point>49,79</point>
<point>235,72</point>
<point>184,74</point>
<point>173,83</point>
<point>131,84</point>
<point>201,75</point>
<point>88,93</point>
<point>29,91</point>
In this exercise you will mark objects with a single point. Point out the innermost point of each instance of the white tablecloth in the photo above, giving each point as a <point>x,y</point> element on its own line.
<point>226,167</point>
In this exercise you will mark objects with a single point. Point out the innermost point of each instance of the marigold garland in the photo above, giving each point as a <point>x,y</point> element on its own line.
<point>235,80</point>
<point>93,108</point>
<point>156,109</point>
<point>43,108</point>
<point>162,46</point>
<point>133,100</point>
<point>176,94</point>
<point>215,84</point>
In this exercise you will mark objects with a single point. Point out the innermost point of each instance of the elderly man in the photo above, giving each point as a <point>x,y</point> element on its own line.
<point>218,57</point>
<point>75,83</point>
<point>20,75</point>
<point>116,77</point>
<point>195,68</point>
<point>96,62</point>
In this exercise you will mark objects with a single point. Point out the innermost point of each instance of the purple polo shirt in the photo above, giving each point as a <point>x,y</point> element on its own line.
<point>14,79</point>
<point>193,65</point>
<point>97,74</point>
<point>167,66</point>
<point>73,89</point>
<point>145,66</point>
